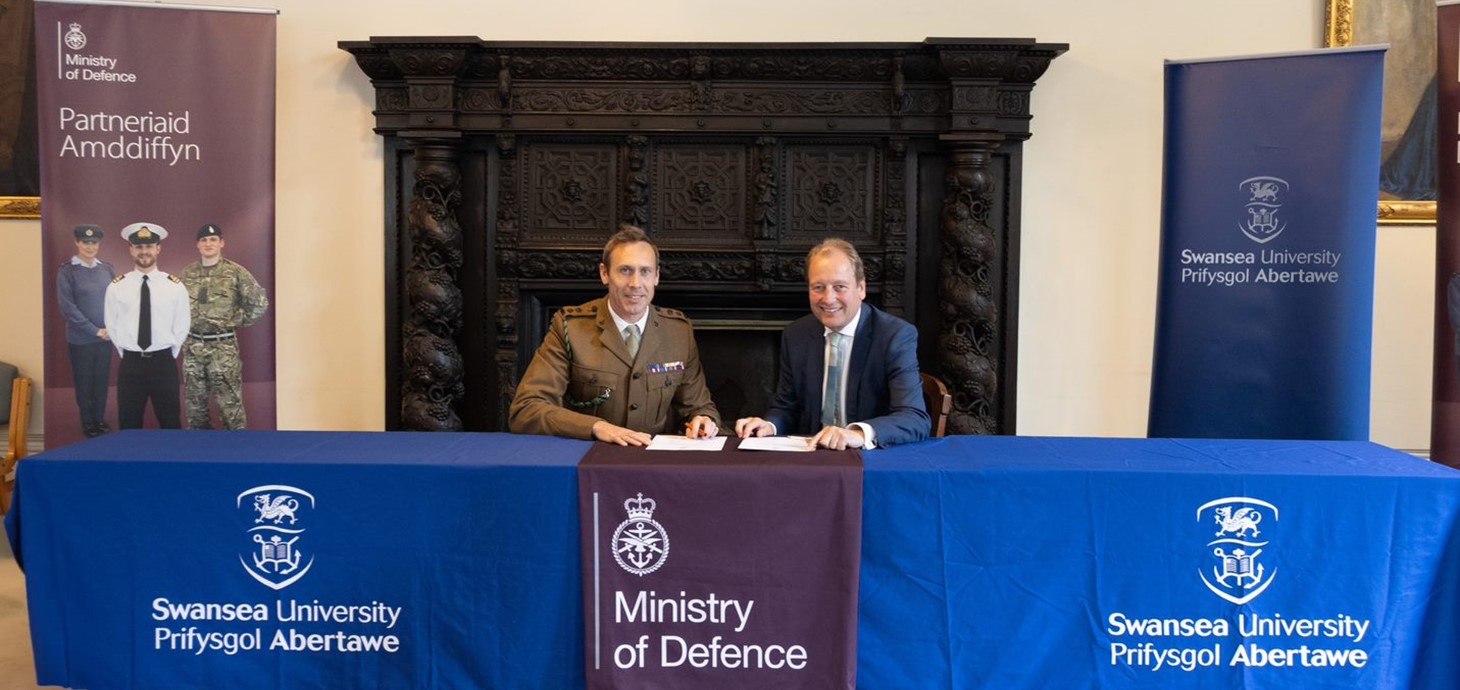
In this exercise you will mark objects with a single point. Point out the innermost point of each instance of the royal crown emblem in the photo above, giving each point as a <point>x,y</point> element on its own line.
<point>1238,576</point>
<point>75,40</point>
<point>275,559</point>
<point>640,545</point>
<point>144,233</point>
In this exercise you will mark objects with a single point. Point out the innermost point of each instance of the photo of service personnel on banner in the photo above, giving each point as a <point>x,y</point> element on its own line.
<point>158,232</point>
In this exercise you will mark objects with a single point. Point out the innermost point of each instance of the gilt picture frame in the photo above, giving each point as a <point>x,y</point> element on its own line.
<point>1407,175</point>
<point>19,161</point>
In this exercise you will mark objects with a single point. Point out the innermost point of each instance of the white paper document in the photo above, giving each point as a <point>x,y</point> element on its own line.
<point>667,442</point>
<point>791,444</point>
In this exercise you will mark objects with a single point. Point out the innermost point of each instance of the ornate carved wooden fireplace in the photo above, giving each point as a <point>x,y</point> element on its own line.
<point>509,163</point>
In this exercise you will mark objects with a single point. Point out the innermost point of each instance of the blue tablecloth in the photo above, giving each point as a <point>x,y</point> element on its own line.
<point>987,562</point>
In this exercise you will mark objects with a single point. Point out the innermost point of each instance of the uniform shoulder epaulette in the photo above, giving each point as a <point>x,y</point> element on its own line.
<point>579,311</point>
<point>174,278</point>
<point>672,313</point>
<point>119,278</point>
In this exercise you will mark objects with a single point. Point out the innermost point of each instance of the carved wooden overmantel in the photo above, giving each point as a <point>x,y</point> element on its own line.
<point>509,163</point>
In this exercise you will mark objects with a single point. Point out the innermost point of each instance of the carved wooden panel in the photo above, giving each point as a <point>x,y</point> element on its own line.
<point>571,191</point>
<point>700,194</point>
<point>831,190</point>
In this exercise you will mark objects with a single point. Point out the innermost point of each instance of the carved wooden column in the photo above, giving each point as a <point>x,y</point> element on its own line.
<point>432,387</point>
<point>968,346</point>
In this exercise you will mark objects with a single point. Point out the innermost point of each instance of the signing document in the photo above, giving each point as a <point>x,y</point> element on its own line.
<point>671,442</point>
<point>792,444</point>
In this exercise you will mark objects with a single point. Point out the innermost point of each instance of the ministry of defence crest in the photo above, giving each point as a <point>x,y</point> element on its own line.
<point>75,40</point>
<point>1242,526</point>
<point>1264,199</point>
<point>640,545</point>
<point>276,516</point>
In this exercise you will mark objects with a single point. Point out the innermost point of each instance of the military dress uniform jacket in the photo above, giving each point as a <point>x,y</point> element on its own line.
<point>655,393</point>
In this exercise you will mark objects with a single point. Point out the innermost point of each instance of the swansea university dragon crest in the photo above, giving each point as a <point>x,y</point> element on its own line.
<point>276,523</point>
<point>1242,535</point>
<point>1264,202</point>
<point>640,544</point>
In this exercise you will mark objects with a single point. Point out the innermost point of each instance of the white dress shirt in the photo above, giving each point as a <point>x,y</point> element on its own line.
<point>170,311</point>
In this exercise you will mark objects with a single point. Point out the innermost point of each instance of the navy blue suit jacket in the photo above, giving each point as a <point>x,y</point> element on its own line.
<point>884,389</point>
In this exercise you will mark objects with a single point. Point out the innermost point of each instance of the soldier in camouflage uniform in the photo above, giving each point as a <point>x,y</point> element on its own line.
<point>224,297</point>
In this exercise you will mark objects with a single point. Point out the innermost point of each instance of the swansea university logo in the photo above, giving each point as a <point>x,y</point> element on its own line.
<point>1264,201</point>
<point>274,555</point>
<point>640,544</point>
<point>1238,575</point>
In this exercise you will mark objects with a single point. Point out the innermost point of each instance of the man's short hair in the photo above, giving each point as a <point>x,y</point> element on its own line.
<point>627,234</point>
<point>837,244</point>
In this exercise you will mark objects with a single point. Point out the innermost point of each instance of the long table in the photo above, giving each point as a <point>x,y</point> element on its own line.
<point>452,561</point>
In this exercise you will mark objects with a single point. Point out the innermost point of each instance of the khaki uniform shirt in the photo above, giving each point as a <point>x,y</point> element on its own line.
<point>656,393</point>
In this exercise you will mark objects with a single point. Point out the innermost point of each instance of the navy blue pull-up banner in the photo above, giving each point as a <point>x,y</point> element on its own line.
<point>1264,312</point>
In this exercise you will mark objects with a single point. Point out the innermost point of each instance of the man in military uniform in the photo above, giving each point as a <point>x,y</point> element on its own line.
<point>617,369</point>
<point>224,297</point>
<point>147,319</point>
<point>81,292</point>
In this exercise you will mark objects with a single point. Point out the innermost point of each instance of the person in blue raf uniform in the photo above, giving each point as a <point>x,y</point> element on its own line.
<point>81,291</point>
<point>147,318</point>
<point>849,371</point>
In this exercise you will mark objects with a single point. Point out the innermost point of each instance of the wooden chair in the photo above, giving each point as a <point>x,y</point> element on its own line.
<point>19,421</point>
<point>938,402</point>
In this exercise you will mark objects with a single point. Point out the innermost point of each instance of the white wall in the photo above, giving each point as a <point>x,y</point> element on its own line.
<point>1091,188</point>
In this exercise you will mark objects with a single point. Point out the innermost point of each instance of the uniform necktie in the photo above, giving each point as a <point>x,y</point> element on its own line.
<point>831,404</point>
<point>144,319</point>
<point>631,338</point>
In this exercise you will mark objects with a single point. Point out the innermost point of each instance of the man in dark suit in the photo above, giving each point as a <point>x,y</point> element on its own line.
<point>849,371</point>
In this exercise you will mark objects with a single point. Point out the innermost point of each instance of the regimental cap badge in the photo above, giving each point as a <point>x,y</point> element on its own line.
<point>144,233</point>
<point>87,233</point>
<point>640,545</point>
<point>75,40</point>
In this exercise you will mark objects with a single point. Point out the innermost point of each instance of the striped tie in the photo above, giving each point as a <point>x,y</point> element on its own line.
<point>831,405</point>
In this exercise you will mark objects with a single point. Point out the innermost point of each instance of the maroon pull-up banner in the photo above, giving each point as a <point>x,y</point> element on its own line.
<point>728,569</point>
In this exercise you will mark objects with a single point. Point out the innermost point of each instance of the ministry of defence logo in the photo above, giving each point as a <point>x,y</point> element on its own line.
<point>1237,575</point>
<point>75,40</point>
<point>640,545</point>
<point>1264,200</point>
<point>274,556</point>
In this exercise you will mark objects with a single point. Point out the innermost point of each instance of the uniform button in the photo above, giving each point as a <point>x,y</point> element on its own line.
<point>633,406</point>
<point>638,375</point>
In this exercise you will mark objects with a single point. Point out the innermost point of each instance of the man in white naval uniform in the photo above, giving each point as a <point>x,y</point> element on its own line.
<point>147,317</point>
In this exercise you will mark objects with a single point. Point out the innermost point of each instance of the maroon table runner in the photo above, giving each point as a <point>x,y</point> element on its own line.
<point>728,569</point>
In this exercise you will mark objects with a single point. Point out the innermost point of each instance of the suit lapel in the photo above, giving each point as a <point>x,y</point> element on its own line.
<point>816,377</point>
<point>861,350</point>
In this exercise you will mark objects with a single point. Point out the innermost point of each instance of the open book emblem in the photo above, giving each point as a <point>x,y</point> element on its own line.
<point>1242,525</point>
<point>277,513</point>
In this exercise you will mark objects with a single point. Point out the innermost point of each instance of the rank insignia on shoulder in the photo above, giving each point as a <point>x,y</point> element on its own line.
<point>571,312</point>
<point>174,278</point>
<point>666,367</point>
<point>119,278</point>
<point>672,313</point>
